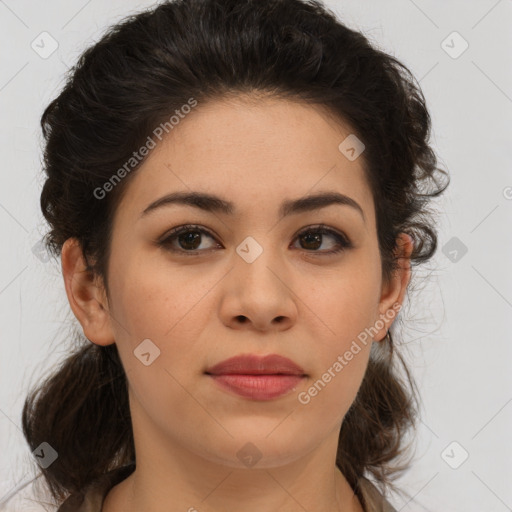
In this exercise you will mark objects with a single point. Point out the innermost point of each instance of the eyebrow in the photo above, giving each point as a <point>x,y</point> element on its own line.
<point>213,203</point>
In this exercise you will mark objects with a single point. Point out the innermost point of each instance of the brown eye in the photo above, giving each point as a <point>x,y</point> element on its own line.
<point>313,238</point>
<point>189,240</point>
<point>187,237</point>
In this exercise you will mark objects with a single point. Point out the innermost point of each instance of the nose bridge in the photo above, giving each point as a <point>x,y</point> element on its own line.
<point>258,256</point>
<point>260,271</point>
<point>259,294</point>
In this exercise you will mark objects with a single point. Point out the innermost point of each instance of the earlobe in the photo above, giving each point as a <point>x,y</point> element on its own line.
<point>393,291</point>
<point>86,296</point>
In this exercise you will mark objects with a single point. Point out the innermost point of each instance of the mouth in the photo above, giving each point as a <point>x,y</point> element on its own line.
<point>257,377</point>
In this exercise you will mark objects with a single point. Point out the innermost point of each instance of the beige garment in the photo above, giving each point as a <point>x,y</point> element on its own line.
<point>91,499</point>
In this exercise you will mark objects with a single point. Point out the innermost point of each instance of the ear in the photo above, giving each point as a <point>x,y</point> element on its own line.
<point>393,290</point>
<point>86,295</point>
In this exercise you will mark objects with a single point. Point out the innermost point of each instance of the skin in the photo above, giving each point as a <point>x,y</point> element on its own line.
<point>187,430</point>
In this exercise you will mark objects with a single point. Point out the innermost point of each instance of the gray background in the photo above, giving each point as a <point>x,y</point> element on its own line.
<point>457,322</point>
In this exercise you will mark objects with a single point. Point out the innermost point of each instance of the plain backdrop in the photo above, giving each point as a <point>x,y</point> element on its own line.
<point>456,327</point>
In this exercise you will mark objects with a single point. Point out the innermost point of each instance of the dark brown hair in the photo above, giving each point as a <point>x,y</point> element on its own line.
<point>131,81</point>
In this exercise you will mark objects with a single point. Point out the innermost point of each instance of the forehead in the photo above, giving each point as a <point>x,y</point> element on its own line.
<point>251,151</point>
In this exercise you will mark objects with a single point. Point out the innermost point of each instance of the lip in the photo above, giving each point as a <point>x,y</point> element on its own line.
<point>257,377</point>
<point>252,364</point>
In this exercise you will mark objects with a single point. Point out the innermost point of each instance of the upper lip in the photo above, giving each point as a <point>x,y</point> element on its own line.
<point>252,364</point>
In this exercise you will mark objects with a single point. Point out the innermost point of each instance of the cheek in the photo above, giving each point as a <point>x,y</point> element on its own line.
<point>163,312</point>
<point>337,376</point>
<point>346,302</point>
<point>167,312</point>
<point>347,305</point>
<point>152,301</point>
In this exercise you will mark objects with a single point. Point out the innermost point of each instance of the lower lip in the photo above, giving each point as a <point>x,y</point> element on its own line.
<point>258,387</point>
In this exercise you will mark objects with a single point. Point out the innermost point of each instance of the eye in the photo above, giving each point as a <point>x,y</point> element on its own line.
<point>189,239</point>
<point>313,237</point>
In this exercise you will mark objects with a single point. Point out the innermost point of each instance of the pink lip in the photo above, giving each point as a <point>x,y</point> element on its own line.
<point>252,364</point>
<point>257,377</point>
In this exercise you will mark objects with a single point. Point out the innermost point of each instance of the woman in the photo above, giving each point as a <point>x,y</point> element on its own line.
<point>258,370</point>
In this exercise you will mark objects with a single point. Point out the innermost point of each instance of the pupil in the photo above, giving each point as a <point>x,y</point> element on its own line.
<point>312,239</point>
<point>191,237</point>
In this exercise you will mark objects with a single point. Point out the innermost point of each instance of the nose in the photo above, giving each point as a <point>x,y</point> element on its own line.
<point>259,295</point>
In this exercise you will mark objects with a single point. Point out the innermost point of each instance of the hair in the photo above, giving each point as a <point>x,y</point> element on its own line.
<point>128,83</point>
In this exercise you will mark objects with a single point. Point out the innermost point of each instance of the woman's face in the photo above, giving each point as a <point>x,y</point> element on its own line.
<point>252,284</point>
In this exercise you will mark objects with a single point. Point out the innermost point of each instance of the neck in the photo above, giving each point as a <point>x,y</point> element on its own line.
<point>169,485</point>
<point>173,476</point>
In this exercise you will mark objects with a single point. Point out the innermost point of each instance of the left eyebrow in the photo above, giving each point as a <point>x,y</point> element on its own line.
<point>213,203</point>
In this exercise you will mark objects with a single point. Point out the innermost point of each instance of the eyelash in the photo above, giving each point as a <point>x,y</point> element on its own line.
<point>343,242</point>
